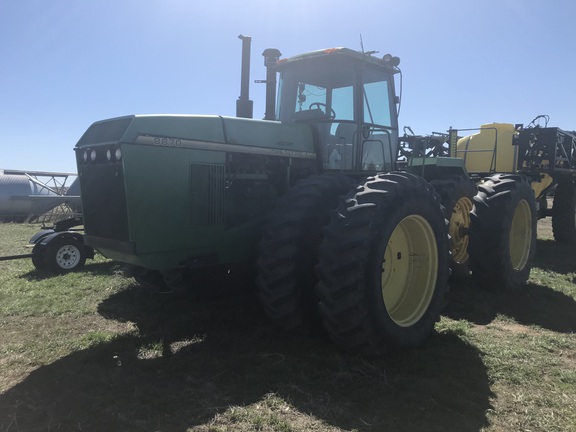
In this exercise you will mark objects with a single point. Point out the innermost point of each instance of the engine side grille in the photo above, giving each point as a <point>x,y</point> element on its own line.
<point>206,195</point>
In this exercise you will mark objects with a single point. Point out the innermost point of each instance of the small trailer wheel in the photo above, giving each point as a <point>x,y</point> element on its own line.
<point>64,254</point>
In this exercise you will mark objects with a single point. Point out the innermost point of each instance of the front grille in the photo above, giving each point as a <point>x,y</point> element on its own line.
<point>104,201</point>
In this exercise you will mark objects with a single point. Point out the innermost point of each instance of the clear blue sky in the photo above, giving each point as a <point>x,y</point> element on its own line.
<point>67,63</point>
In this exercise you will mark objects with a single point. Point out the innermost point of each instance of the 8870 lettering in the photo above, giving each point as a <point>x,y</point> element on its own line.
<point>167,142</point>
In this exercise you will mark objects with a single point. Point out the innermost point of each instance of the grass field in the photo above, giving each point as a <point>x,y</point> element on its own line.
<point>93,351</point>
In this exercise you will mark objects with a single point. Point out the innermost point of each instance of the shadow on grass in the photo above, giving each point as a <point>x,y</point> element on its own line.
<point>556,257</point>
<point>192,360</point>
<point>533,305</point>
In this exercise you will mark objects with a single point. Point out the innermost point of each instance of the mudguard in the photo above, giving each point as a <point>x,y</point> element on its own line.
<point>44,237</point>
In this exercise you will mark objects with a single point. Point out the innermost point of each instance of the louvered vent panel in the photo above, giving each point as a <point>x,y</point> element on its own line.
<point>206,194</point>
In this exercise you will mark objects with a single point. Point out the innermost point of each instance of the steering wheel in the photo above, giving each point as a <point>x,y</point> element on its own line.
<point>323,107</point>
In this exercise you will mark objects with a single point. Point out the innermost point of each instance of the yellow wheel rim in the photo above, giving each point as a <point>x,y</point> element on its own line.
<point>409,270</point>
<point>458,229</point>
<point>520,235</point>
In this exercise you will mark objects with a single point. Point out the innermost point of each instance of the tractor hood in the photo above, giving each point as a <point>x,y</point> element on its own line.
<point>202,131</point>
<point>165,191</point>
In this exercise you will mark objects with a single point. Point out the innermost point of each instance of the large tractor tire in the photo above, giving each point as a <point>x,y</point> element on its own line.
<point>564,213</point>
<point>383,266</point>
<point>457,196</point>
<point>289,249</point>
<point>503,232</point>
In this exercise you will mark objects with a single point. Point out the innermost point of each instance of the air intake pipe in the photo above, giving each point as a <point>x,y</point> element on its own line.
<point>271,57</point>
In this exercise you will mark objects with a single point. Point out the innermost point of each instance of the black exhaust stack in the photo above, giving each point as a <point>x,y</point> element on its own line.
<point>271,57</point>
<point>244,106</point>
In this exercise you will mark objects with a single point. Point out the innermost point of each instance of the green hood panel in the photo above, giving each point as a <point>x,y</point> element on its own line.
<point>164,191</point>
<point>215,129</point>
<point>265,133</point>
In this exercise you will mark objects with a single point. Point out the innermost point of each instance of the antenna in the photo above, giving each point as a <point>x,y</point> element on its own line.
<point>362,46</point>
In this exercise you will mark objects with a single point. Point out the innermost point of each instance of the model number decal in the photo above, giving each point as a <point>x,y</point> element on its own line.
<point>167,142</point>
<point>287,153</point>
<point>221,147</point>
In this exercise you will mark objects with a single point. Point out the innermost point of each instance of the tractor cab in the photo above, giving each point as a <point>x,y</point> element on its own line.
<point>349,100</point>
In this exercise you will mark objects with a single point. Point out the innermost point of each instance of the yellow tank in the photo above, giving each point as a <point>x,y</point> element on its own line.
<point>495,141</point>
<point>489,150</point>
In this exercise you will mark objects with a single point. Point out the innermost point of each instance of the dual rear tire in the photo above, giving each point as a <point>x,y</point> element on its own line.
<point>564,213</point>
<point>457,196</point>
<point>382,255</point>
<point>503,232</point>
<point>384,265</point>
<point>289,250</point>
<point>381,260</point>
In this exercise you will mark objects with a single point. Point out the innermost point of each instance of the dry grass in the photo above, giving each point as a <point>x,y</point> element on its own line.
<point>93,351</point>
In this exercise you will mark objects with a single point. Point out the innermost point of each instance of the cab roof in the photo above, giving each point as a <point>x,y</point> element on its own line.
<point>344,54</point>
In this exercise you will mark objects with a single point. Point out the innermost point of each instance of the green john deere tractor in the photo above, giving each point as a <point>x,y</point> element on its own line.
<point>312,197</point>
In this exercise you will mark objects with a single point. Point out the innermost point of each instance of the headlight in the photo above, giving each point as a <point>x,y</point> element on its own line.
<point>118,154</point>
<point>109,155</point>
<point>93,155</point>
<point>85,156</point>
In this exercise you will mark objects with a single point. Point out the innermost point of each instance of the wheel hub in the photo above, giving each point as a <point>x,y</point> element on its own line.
<point>409,270</point>
<point>458,230</point>
<point>67,257</point>
<point>520,235</point>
